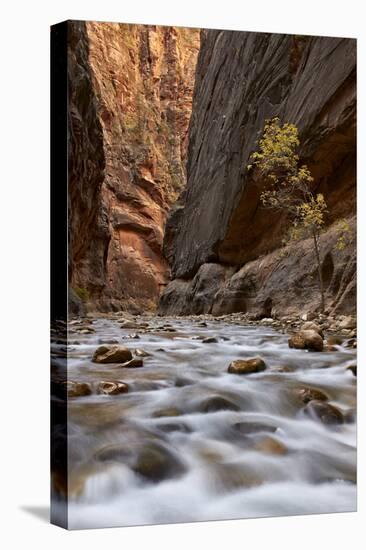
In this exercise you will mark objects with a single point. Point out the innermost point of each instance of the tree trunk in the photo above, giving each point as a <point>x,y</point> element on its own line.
<point>321,285</point>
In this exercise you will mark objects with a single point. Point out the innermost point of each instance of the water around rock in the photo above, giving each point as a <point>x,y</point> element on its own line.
<point>189,441</point>
<point>247,366</point>
<point>111,354</point>
<point>112,387</point>
<point>307,339</point>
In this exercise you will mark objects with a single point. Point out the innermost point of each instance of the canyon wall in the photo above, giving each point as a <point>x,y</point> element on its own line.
<point>224,248</point>
<point>130,95</point>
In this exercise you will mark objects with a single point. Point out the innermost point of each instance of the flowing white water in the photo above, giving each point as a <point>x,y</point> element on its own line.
<point>217,469</point>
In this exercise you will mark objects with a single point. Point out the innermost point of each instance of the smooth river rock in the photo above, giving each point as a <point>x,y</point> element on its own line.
<point>325,412</point>
<point>112,388</point>
<point>309,394</point>
<point>247,366</point>
<point>112,354</point>
<point>77,389</point>
<point>155,463</point>
<point>306,339</point>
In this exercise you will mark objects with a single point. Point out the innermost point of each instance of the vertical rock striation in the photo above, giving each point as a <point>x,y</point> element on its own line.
<point>218,225</point>
<point>130,96</point>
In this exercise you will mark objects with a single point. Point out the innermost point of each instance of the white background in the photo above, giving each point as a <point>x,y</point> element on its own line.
<point>24,169</point>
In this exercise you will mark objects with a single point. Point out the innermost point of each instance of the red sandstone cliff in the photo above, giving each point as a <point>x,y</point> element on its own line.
<point>130,97</point>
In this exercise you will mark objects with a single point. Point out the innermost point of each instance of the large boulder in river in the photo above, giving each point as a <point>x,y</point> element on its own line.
<point>306,339</point>
<point>77,389</point>
<point>112,354</point>
<point>218,403</point>
<point>156,463</point>
<point>247,366</point>
<point>325,412</point>
<point>307,394</point>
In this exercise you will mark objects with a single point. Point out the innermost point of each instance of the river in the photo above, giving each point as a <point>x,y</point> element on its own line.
<point>191,442</point>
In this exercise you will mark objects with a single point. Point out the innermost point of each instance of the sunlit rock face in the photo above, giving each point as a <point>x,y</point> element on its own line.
<point>130,97</point>
<point>242,79</point>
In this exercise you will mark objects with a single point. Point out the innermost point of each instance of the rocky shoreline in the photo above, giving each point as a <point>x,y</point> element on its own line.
<point>342,326</point>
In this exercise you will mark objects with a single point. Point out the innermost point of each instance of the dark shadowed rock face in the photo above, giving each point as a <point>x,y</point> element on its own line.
<point>280,283</point>
<point>131,92</point>
<point>241,80</point>
<point>87,235</point>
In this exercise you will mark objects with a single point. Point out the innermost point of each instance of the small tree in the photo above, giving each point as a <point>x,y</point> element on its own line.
<point>288,185</point>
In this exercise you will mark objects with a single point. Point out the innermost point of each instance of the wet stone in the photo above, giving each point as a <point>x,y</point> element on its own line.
<point>210,340</point>
<point>169,411</point>
<point>248,428</point>
<point>353,369</point>
<point>217,403</point>
<point>352,343</point>
<point>111,354</point>
<point>334,341</point>
<point>310,394</point>
<point>310,325</point>
<point>136,362</point>
<point>113,453</point>
<point>132,325</point>
<point>112,388</point>
<point>247,366</point>
<point>306,339</point>
<point>141,353</point>
<point>284,369</point>
<point>107,341</point>
<point>155,463</point>
<point>180,382</point>
<point>169,427</point>
<point>86,330</point>
<point>229,477</point>
<point>324,412</point>
<point>350,416</point>
<point>77,389</point>
<point>270,445</point>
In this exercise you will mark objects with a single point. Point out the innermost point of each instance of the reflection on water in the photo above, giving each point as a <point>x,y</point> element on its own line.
<point>191,442</point>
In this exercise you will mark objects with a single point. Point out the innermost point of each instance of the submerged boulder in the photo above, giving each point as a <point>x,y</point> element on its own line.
<point>247,366</point>
<point>169,411</point>
<point>218,403</point>
<point>77,389</point>
<point>142,353</point>
<point>134,363</point>
<point>353,369</point>
<point>111,354</point>
<point>326,413</point>
<point>249,428</point>
<point>308,394</point>
<point>270,445</point>
<point>155,463</point>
